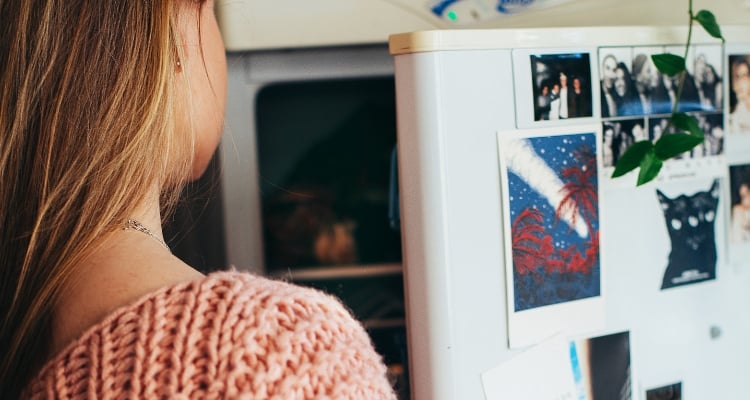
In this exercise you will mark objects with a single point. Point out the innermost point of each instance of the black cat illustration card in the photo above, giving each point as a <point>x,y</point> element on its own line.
<point>551,212</point>
<point>690,220</point>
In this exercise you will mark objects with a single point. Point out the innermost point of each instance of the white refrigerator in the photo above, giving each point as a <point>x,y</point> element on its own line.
<point>515,235</point>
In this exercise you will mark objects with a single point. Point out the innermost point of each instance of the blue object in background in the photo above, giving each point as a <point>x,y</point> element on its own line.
<point>442,5</point>
<point>577,376</point>
<point>511,6</point>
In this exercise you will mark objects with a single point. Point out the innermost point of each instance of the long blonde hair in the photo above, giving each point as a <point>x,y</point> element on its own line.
<point>87,92</point>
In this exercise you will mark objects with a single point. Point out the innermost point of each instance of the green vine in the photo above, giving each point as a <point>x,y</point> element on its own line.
<point>651,156</point>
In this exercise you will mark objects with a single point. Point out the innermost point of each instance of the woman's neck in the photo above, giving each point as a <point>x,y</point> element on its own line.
<point>127,265</point>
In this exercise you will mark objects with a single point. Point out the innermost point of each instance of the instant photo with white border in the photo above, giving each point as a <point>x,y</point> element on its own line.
<point>531,324</point>
<point>530,77</point>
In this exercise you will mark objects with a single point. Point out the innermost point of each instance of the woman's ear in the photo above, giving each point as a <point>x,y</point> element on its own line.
<point>202,63</point>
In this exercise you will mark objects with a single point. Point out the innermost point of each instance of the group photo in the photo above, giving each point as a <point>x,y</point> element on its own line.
<point>631,85</point>
<point>562,86</point>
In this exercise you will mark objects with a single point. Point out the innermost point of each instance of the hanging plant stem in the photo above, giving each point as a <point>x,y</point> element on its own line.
<point>648,156</point>
<point>683,73</point>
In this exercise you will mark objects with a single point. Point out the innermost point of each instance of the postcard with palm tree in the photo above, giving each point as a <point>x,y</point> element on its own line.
<point>551,219</point>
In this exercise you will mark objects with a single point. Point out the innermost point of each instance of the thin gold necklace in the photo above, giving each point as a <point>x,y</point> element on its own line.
<point>137,226</point>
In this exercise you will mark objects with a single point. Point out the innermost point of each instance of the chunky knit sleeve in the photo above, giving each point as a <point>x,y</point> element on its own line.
<point>227,336</point>
<point>290,343</point>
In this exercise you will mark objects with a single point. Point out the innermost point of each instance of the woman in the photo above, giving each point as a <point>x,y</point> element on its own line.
<point>739,110</point>
<point>609,65</point>
<point>607,143</point>
<point>626,97</point>
<point>542,104</point>
<point>107,108</point>
<point>741,215</point>
<point>554,102</point>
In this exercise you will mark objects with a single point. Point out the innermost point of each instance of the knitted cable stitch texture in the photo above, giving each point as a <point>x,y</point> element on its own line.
<point>229,335</point>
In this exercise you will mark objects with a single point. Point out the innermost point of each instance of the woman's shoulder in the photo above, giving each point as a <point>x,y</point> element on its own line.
<point>223,335</point>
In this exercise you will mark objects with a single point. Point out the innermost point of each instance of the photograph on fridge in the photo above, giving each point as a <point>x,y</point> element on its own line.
<point>672,391</point>
<point>637,101</point>
<point>739,214</point>
<point>551,207</point>
<point>561,86</point>
<point>738,104</point>
<point>554,87</point>
<point>602,368</point>
<point>618,136</point>
<point>689,218</point>
<point>739,94</point>
<point>739,183</point>
<point>630,84</point>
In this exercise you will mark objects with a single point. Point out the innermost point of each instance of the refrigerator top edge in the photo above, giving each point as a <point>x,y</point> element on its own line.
<point>492,39</point>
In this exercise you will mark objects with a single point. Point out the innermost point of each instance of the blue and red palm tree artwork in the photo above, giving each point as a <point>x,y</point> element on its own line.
<point>554,218</point>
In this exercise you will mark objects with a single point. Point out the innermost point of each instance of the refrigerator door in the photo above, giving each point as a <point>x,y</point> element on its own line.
<point>459,92</point>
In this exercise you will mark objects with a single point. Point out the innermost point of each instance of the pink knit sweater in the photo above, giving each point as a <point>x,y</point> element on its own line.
<point>228,335</point>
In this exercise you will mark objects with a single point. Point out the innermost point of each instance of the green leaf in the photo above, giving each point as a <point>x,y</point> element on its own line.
<point>674,144</point>
<point>708,22</point>
<point>668,64</point>
<point>650,167</point>
<point>687,123</point>
<point>632,158</point>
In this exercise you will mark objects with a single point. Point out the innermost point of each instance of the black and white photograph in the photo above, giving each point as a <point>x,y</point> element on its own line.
<point>630,84</point>
<point>618,135</point>
<point>739,94</point>
<point>561,86</point>
<point>706,74</point>
<point>637,101</point>
<point>667,392</point>
<point>657,127</point>
<point>739,183</point>
<point>712,125</point>
<point>602,367</point>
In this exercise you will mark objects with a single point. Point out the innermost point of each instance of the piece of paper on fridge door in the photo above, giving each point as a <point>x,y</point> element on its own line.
<point>550,196</point>
<point>518,378</point>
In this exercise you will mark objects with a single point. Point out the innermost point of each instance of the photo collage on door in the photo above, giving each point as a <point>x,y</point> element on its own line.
<point>637,101</point>
<point>578,110</point>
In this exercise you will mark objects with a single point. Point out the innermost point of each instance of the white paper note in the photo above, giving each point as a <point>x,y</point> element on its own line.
<point>543,372</point>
